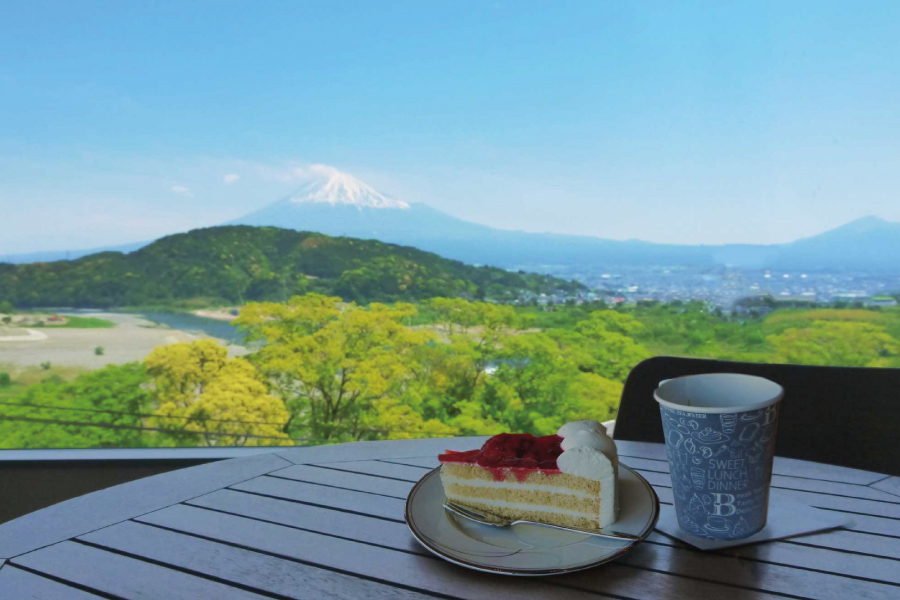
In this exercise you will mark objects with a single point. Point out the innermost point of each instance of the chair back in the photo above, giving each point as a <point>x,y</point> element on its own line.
<point>836,415</point>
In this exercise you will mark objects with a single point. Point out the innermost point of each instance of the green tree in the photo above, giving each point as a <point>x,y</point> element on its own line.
<point>612,321</point>
<point>475,332</point>
<point>182,371</point>
<point>606,339</point>
<point>332,362</point>
<point>208,398</point>
<point>848,344</point>
<point>392,419</point>
<point>492,375</point>
<point>457,315</point>
<point>100,409</point>
<point>6,307</point>
<point>536,387</point>
<point>236,409</point>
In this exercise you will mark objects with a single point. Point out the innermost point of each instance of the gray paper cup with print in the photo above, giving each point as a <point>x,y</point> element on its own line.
<point>720,442</point>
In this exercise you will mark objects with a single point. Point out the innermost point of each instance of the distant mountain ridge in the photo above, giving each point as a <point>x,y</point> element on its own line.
<point>868,243</point>
<point>337,204</point>
<point>240,263</point>
<point>55,255</point>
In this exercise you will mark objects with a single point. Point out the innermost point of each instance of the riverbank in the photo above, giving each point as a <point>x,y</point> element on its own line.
<point>55,320</point>
<point>132,339</point>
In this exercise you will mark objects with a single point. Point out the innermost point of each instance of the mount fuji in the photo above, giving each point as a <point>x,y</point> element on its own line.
<point>338,204</point>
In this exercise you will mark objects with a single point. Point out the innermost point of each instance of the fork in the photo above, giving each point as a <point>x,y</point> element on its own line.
<point>495,521</point>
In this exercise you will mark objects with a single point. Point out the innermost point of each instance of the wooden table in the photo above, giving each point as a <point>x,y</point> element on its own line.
<point>327,522</point>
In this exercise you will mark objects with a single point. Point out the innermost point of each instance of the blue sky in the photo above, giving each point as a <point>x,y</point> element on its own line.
<point>689,122</point>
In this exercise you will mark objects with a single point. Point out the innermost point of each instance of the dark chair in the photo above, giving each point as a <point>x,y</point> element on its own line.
<point>836,415</point>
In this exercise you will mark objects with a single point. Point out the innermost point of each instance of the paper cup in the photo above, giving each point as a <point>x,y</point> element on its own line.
<point>720,441</point>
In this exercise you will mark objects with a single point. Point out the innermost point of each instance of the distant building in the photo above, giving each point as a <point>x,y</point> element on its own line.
<point>881,301</point>
<point>757,304</point>
<point>795,302</point>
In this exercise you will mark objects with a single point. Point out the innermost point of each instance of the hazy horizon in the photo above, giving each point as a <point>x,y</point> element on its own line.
<point>148,240</point>
<point>695,123</point>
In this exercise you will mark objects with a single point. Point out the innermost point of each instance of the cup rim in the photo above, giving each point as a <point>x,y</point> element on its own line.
<point>719,409</point>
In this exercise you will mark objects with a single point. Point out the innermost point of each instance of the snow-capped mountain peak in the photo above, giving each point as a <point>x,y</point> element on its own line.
<point>330,186</point>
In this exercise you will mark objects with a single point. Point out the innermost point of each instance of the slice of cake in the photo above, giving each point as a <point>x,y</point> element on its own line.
<point>569,479</point>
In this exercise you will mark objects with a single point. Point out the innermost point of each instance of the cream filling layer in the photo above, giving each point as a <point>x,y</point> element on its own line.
<point>525,506</point>
<point>609,498</point>
<point>552,489</point>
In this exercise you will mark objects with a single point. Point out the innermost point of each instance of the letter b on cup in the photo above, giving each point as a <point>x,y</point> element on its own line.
<point>724,505</point>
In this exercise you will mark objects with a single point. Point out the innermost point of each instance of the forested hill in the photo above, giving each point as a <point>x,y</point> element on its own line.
<point>242,263</point>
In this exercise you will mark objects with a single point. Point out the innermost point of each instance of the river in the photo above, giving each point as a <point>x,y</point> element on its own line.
<point>190,322</point>
<point>182,321</point>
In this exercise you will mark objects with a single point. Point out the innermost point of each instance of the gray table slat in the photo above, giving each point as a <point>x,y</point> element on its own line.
<point>876,525</point>
<point>829,487</point>
<point>427,573</point>
<point>415,571</point>
<point>427,462</point>
<point>327,497</point>
<point>813,470</point>
<point>780,577</point>
<point>774,578</point>
<point>86,513</point>
<point>641,449</point>
<point>879,569</point>
<point>889,485</point>
<point>355,481</point>
<point>123,576</point>
<point>785,554</point>
<point>853,541</point>
<point>16,584</point>
<point>656,479</point>
<point>323,520</point>
<point>870,507</point>
<point>645,464</point>
<point>250,569</point>
<point>379,468</point>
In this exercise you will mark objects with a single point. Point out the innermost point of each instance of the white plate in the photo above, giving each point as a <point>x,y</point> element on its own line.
<point>526,549</point>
